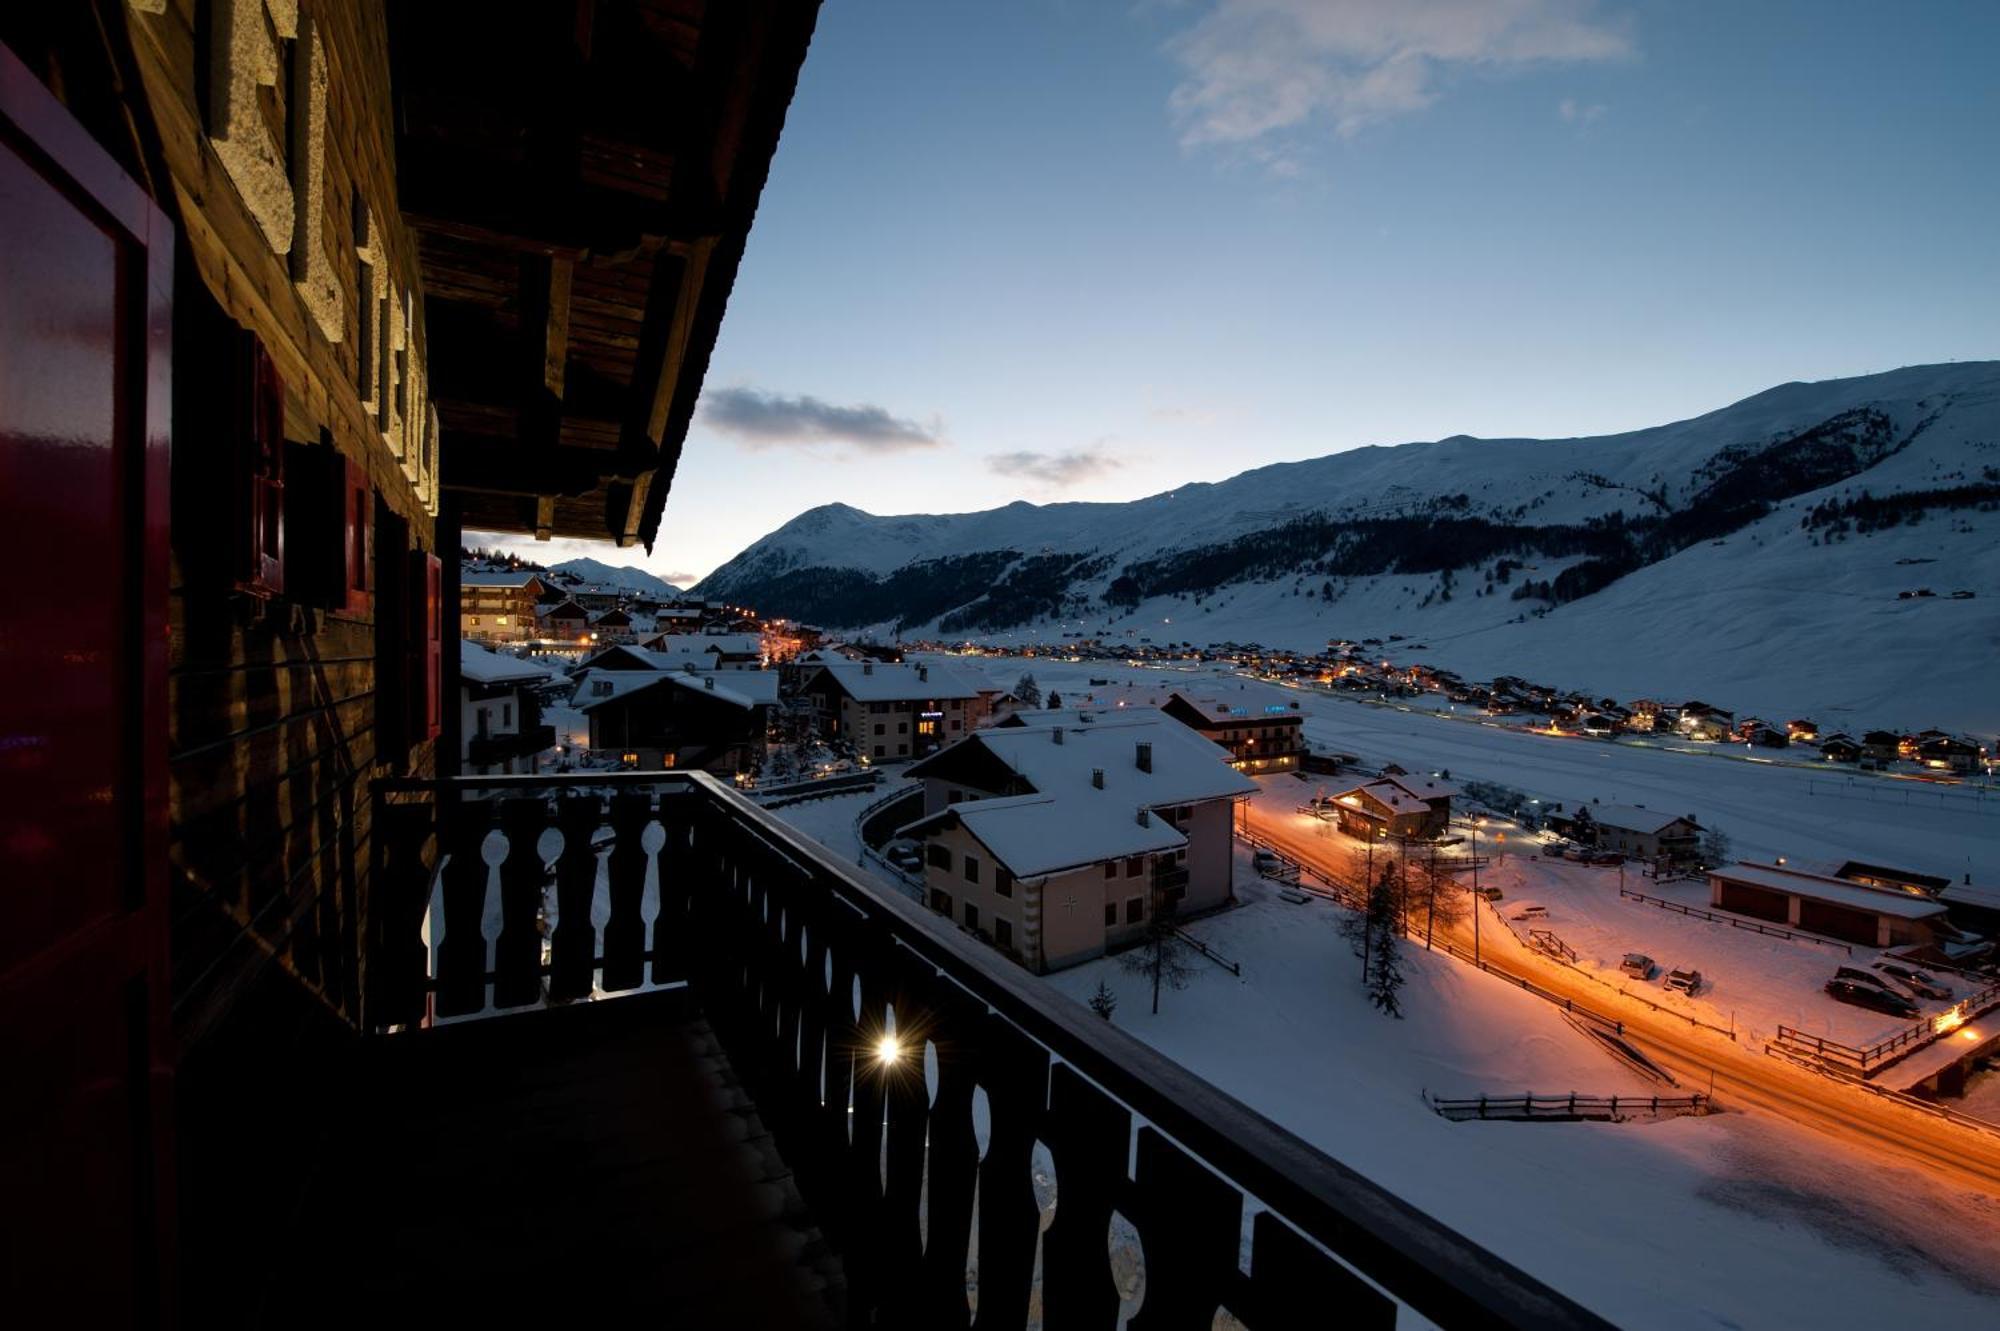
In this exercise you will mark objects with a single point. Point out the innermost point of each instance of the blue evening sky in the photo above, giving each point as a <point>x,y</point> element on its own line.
<point>1093,249</point>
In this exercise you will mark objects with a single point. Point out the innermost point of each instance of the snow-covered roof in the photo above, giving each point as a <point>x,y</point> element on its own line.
<point>1185,767</point>
<point>498,578</point>
<point>740,688</point>
<point>567,610</point>
<point>1078,716</point>
<point>1424,787</point>
<point>1216,712</point>
<point>1775,878</point>
<point>1632,818</point>
<point>1971,894</point>
<point>880,681</point>
<point>1040,834</point>
<point>1387,793</point>
<point>482,666</point>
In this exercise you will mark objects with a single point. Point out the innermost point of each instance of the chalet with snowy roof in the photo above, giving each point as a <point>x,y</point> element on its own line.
<point>1398,807</point>
<point>890,712</point>
<point>1058,842</point>
<point>1882,746</point>
<point>498,605</point>
<point>1839,749</point>
<point>1261,737</point>
<point>614,625</point>
<point>1834,907</point>
<point>655,720</point>
<point>566,621</point>
<point>500,706</point>
<point>1802,730</point>
<point>1949,753</point>
<point>1633,829</point>
<point>1892,879</point>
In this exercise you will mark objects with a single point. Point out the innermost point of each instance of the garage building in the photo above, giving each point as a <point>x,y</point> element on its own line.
<point>1812,902</point>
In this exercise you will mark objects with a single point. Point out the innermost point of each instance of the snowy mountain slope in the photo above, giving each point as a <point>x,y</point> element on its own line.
<point>1750,553</point>
<point>637,579</point>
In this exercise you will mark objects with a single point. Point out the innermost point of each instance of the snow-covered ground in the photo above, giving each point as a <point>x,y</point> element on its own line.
<point>1726,1221</point>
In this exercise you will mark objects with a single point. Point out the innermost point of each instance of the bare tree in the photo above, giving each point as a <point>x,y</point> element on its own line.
<point>1164,958</point>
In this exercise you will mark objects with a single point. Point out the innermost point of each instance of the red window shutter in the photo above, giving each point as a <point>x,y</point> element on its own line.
<point>426,645</point>
<point>262,565</point>
<point>358,535</point>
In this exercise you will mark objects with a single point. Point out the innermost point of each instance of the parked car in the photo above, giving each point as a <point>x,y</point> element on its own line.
<point>1267,861</point>
<point>1638,965</point>
<point>1857,976</point>
<point>905,856</point>
<point>1581,854</point>
<point>1555,849</point>
<point>1530,911</point>
<point>1687,981</point>
<point>1871,996</point>
<point>1604,857</point>
<point>1919,982</point>
<point>1489,894</point>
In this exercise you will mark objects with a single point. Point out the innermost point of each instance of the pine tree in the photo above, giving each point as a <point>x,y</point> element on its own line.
<point>1104,1002</point>
<point>1055,700</point>
<point>1385,973</point>
<point>1029,692</point>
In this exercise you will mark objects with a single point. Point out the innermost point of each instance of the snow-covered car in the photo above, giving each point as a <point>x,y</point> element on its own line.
<point>1919,982</point>
<point>1870,996</point>
<point>1687,981</point>
<point>1604,857</point>
<point>1854,975</point>
<point>1489,893</point>
<point>1529,911</point>
<point>905,856</point>
<point>1638,965</point>
<point>1555,850</point>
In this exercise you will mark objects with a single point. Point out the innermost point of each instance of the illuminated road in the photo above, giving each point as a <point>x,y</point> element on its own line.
<point>1744,1077</point>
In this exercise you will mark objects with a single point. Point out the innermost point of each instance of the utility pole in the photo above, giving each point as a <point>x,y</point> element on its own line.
<point>1475,890</point>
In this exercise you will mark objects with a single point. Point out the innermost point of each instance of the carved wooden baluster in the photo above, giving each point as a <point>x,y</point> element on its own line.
<point>573,952</point>
<point>824,1125</point>
<point>401,896</point>
<point>1287,1274</point>
<point>901,1224</point>
<point>672,935</point>
<point>461,960</point>
<point>1015,1073</point>
<point>789,1108</point>
<point>835,1205</point>
<point>1191,1223</point>
<point>863,1254</point>
<point>517,953</point>
<point>1089,1135</point>
<point>625,931</point>
<point>956,1022</point>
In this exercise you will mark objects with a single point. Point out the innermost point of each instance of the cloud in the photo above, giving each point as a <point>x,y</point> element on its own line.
<point>1060,470</point>
<point>757,419</point>
<point>1576,113</point>
<point>1182,415</point>
<point>1260,74</point>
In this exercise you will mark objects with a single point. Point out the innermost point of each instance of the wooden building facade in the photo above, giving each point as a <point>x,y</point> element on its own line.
<point>319,283</point>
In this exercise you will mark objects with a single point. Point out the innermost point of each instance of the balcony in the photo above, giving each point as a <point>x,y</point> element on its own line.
<point>815,1104</point>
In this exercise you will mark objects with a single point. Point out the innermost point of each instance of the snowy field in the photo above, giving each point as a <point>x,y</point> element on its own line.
<point>1810,816</point>
<point>1767,1227</point>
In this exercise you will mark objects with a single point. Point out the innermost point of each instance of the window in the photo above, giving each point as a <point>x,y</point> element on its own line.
<point>1003,881</point>
<point>1135,866</point>
<point>878,750</point>
<point>1110,914</point>
<point>927,727</point>
<point>1003,934</point>
<point>971,868</point>
<point>957,724</point>
<point>475,621</point>
<point>953,796</point>
<point>601,688</point>
<point>881,729</point>
<point>876,709</point>
<point>971,916</point>
<point>941,902</point>
<point>1111,868</point>
<point>938,856</point>
<point>902,727</point>
<point>1135,910</point>
<point>506,714</point>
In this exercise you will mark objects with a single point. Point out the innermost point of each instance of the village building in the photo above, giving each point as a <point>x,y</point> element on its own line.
<point>1949,753</point>
<point>614,625</point>
<point>565,621</point>
<point>1802,730</point>
<point>500,702</point>
<point>657,720</point>
<point>889,712</point>
<point>1059,842</point>
<point>1839,749</point>
<point>1397,807</point>
<point>498,606</point>
<point>1882,746</point>
<point>1634,830</point>
<point>1890,879</point>
<point>1261,738</point>
<point>1834,907</point>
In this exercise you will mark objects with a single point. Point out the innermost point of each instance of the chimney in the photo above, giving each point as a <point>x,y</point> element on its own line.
<point>708,681</point>
<point>1145,755</point>
<point>1056,734</point>
<point>867,667</point>
<point>1145,818</point>
<point>923,674</point>
<point>1097,777</point>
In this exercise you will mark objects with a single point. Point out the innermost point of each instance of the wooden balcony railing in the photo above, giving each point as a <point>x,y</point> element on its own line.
<point>804,968</point>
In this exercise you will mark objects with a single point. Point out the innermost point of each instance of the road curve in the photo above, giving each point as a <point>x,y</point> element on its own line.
<point>1744,1078</point>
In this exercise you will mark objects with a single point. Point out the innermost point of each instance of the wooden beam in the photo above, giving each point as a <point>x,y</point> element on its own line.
<point>543,341</point>
<point>545,517</point>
